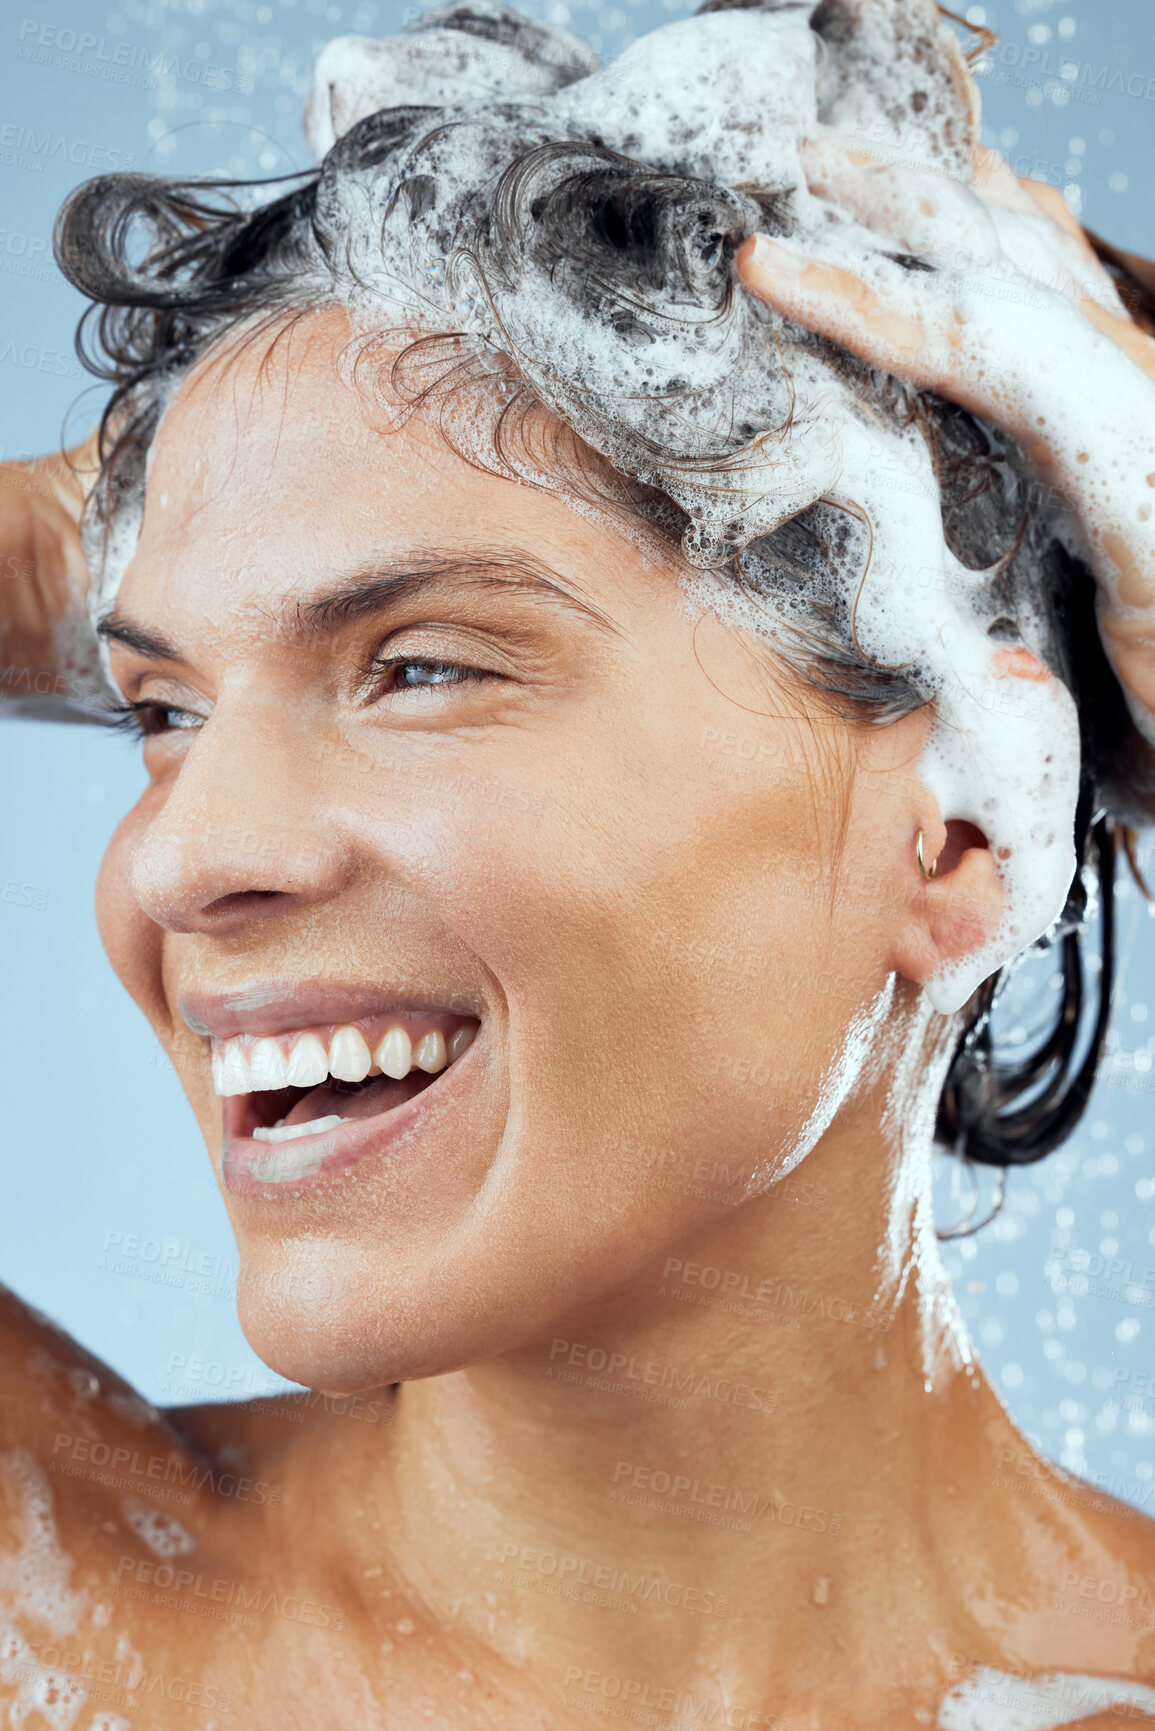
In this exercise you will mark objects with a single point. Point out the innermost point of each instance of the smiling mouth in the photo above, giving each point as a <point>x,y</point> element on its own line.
<point>290,1093</point>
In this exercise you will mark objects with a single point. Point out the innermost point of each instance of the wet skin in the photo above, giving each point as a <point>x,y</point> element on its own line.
<point>667,883</point>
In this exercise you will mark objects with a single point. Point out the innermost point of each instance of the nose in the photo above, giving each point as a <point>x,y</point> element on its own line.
<point>245,831</point>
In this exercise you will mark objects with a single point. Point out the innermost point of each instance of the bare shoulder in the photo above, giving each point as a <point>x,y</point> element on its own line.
<point>83,1449</point>
<point>53,1392</point>
<point>1083,1568</point>
<point>97,1491</point>
<point>148,1566</point>
<point>1113,1583</point>
<point>108,1453</point>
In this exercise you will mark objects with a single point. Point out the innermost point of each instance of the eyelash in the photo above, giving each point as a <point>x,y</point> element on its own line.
<point>143,720</point>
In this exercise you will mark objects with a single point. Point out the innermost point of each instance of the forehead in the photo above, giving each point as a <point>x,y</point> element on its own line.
<point>268,465</point>
<point>265,429</point>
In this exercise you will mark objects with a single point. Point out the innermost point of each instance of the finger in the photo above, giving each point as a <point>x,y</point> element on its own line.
<point>827,156</point>
<point>1125,334</point>
<point>958,227</point>
<point>996,184</point>
<point>826,152</point>
<point>839,305</point>
<point>923,212</point>
<point>1053,205</point>
<point>912,329</point>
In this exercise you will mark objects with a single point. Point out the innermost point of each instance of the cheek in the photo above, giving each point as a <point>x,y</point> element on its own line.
<point>657,940</point>
<point>132,942</point>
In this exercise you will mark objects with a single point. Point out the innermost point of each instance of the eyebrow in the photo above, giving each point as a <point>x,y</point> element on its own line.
<point>115,628</point>
<point>373,586</point>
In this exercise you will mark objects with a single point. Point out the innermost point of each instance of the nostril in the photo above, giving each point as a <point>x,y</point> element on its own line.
<point>190,875</point>
<point>243,902</point>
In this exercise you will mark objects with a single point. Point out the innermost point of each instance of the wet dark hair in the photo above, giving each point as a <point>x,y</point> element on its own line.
<point>173,266</point>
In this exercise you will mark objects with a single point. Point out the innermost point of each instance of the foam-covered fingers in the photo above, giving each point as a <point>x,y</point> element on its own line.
<point>1124,333</point>
<point>840,305</point>
<point>830,160</point>
<point>913,203</point>
<point>996,183</point>
<point>1130,645</point>
<point>999,222</point>
<point>1050,232</point>
<point>1053,205</point>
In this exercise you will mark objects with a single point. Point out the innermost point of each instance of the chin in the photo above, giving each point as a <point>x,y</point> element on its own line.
<point>336,1330</point>
<point>319,1349</point>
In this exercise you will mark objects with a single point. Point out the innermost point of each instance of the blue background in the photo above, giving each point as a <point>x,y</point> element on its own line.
<point>110,1220</point>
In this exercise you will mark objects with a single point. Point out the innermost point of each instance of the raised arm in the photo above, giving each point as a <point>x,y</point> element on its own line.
<point>47,659</point>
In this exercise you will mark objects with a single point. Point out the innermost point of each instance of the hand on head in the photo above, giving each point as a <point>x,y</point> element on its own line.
<point>991,296</point>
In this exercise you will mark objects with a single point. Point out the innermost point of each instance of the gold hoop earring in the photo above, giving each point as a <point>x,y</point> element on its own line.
<point>921,862</point>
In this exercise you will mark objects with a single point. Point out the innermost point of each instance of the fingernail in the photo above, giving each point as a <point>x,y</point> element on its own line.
<point>771,255</point>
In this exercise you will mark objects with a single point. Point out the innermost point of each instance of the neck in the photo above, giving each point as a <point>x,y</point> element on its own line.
<point>736,1432</point>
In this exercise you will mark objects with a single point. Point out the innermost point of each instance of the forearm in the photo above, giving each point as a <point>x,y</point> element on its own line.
<point>43,577</point>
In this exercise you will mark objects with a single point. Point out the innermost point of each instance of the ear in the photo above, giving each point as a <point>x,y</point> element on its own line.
<point>954,912</point>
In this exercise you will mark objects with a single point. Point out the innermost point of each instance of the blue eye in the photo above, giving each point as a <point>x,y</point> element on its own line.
<point>402,675</point>
<point>413,674</point>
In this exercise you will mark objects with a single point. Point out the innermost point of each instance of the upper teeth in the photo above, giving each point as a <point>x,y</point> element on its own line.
<point>350,1059</point>
<point>246,1066</point>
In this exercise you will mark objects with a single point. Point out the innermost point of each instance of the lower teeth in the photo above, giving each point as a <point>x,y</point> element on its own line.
<point>289,1132</point>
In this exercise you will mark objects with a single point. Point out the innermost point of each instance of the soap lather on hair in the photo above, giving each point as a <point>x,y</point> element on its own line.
<point>561,236</point>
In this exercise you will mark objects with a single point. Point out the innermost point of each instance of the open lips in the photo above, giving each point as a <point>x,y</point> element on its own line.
<point>312,1079</point>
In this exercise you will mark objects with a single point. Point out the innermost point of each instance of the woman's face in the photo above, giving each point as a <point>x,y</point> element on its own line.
<point>440,751</point>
